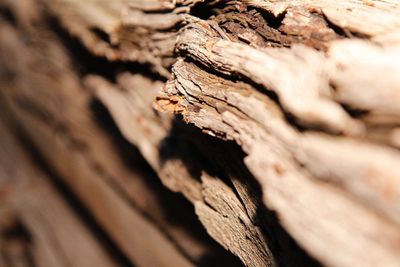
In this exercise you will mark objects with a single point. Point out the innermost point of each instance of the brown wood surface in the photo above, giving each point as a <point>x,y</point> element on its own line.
<point>275,124</point>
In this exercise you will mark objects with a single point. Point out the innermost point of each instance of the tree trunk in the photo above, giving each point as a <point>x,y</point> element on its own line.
<point>199,133</point>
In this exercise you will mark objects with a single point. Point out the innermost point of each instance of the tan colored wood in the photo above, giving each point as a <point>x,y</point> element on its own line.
<point>309,90</point>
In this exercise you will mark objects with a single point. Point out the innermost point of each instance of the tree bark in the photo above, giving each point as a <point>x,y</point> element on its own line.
<point>277,121</point>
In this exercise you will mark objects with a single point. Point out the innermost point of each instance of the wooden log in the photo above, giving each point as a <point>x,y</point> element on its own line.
<point>300,99</point>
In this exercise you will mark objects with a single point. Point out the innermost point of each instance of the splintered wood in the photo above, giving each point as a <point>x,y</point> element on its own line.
<point>277,121</point>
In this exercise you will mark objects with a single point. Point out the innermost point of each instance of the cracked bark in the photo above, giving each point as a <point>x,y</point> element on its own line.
<point>290,150</point>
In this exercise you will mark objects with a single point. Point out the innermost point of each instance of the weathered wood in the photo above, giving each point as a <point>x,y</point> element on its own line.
<point>176,175</point>
<point>309,90</point>
<point>90,164</point>
<point>301,189</point>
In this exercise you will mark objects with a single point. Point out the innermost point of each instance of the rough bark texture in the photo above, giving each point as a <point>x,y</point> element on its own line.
<point>277,121</point>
